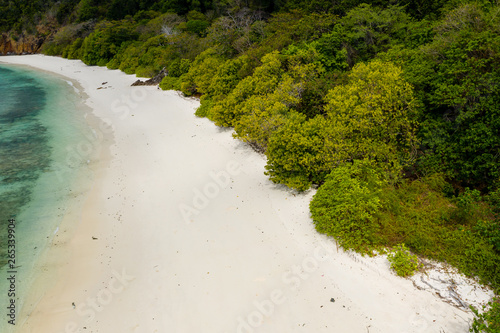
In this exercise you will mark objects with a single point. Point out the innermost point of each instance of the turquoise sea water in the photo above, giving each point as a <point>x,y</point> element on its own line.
<point>45,144</point>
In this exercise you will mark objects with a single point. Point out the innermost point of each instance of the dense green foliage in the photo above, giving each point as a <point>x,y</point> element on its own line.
<point>403,262</point>
<point>487,321</point>
<point>415,213</point>
<point>23,15</point>
<point>346,206</point>
<point>392,110</point>
<point>457,76</point>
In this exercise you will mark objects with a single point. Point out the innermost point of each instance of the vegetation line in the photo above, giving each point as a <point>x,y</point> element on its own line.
<point>392,110</point>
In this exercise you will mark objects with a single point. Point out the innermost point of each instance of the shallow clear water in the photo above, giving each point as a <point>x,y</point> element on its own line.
<point>44,150</point>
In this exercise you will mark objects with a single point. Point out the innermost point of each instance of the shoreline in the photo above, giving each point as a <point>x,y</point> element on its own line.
<point>73,177</point>
<point>58,190</point>
<point>181,221</point>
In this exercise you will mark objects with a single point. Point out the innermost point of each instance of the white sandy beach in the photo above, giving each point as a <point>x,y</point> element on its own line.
<point>182,232</point>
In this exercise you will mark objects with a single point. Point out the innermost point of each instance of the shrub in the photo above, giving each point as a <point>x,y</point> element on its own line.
<point>403,262</point>
<point>261,115</point>
<point>345,206</point>
<point>297,155</point>
<point>205,104</point>
<point>489,230</point>
<point>129,58</point>
<point>52,49</point>
<point>201,72</point>
<point>227,112</point>
<point>332,54</point>
<point>227,77</point>
<point>467,205</point>
<point>147,71</point>
<point>369,118</point>
<point>488,321</point>
<point>74,50</point>
<point>494,200</point>
<point>197,27</point>
<point>178,67</point>
<point>101,45</point>
<point>155,57</point>
<point>70,35</point>
<point>170,83</point>
<point>373,116</point>
<point>312,102</point>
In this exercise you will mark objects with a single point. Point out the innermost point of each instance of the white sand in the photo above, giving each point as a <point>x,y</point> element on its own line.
<point>169,259</point>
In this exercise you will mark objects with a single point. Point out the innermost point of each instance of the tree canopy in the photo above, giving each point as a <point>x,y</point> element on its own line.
<point>390,109</point>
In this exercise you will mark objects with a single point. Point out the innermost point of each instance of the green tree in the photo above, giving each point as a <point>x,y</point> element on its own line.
<point>226,112</point>
<point>297,155</point>
<point>74,50</point>
<point>456,76</point>
<point>102,45</point>
<point>232,34</point>
<point>345,207</point>
<point>261,115</point>
<point>87,10</point>
<point>199,77</point>
<point>367,30</point>
<point>226,78</point>
<point>373,117</point>
<point>197,27</point>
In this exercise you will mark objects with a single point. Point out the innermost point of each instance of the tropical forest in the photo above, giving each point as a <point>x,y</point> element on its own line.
<point>389,109</point>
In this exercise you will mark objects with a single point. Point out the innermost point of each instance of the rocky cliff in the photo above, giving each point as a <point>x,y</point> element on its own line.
<point>21,45</point>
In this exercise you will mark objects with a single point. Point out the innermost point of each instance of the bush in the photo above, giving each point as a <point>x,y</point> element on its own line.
<point>494,200</point>
<point>369,118</point>
<point>205,105</point>
<point>155,57</point>
<point>129,58</point>
<point>488,321</point>
<point>101,45</point>
<point>67,39</point>
<point>178,67</point>
<point>170,83</point>
<point>403,262</point>
<point>198,27</point>
<point>52,49</point>
<point>312,102</point>
<point>227,77</point>
<point>345,207</point>
<point>201,72</point>
<point>368,30</point>
<point>297,155</point>
<point>467,205</point>
<point>418,214</point>
<point>227,111</point>
<point>74,50</point>
<point>332,54</point>
<point>489,230</point>
<point>262,115</point>
<point>147,71</point>
<point>374,116</point>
